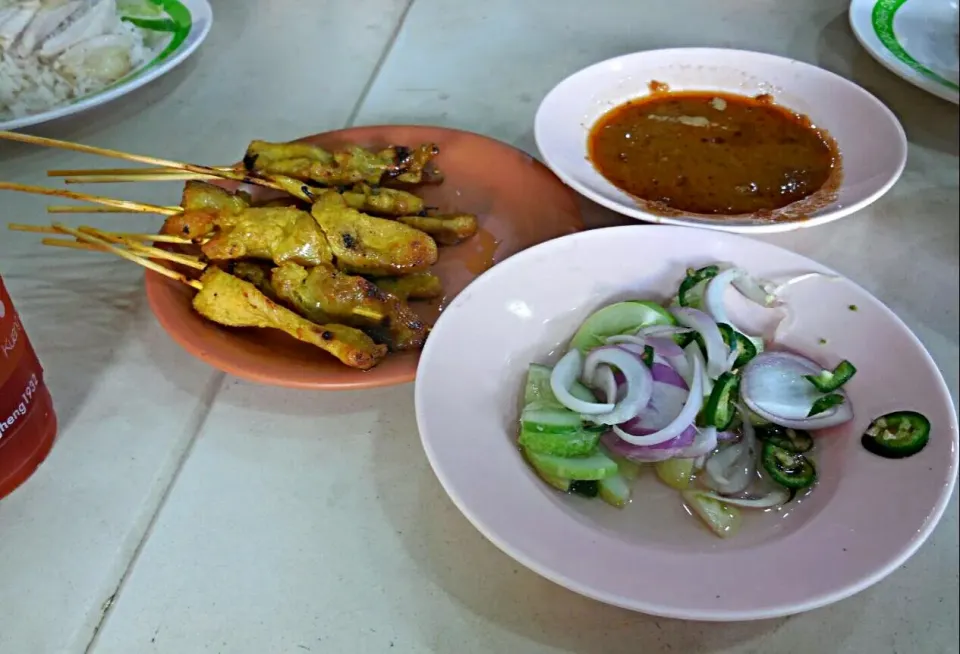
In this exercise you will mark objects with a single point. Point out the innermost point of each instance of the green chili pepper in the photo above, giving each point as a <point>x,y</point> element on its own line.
<point>897,435</point>
<point>825,403</point>
<point>720,408</point>
<point>790,470</point>
<point>792,440</point>
<point>828,381</point>
<point>647,356</point>
<point>692,286</point>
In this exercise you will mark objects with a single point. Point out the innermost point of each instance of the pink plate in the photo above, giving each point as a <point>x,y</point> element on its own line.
<point>866,516</point>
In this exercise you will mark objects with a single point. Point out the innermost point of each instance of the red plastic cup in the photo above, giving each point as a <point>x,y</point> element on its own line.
<point>28,424</point>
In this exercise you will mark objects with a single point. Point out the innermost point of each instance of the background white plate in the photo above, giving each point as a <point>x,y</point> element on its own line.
<point>915,39</point>
<point>871,140</point>
<point>190,33</point>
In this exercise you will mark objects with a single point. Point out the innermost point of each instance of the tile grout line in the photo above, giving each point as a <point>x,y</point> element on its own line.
<point>387,50</point>
<point>107,608</point>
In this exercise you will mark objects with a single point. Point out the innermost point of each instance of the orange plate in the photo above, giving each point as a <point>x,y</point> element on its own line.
<point>519,203</point>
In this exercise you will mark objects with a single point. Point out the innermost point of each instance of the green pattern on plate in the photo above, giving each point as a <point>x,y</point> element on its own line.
<point>178,24</point>
<point>883,16</point>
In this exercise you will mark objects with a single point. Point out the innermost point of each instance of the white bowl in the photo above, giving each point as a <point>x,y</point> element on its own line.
<point>864,518</point>
<point>872,143</point>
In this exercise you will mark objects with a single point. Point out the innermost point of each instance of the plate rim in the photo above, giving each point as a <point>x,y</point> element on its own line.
<point>202,16</point>
<point>154,281</point>
<point>769,228</point>
<point>860,17</point>
<point>824,599</point>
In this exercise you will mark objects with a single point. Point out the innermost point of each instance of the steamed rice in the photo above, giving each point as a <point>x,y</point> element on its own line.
<point>31,85</point>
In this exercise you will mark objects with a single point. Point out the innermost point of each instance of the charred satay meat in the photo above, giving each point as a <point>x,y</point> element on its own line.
<point>325,294</point>
<point>366,245</point>
<point>233,302</point>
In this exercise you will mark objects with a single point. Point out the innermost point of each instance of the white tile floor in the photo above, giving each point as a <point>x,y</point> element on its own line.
<point>305,522</point>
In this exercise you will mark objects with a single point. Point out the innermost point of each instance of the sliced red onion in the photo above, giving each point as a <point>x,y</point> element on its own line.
<point>649,453</point>
<point>776,497</point>
<point>681,364</point>
<point>661,345</point>
<point>732,469</point>
<point>727,436</point>
<point>639,382</point>
<point>605,381</point>
<point>666,403</point>
<point>703,444</point>
<point>774,387</point>
<point>561,379</point>
<point>665,347</point>
<point>715,307</point>
<point>664,374</point>
<point>683,420</point>
<point>717,350</point>
<point>662,330</point>
<point>716,288</point>
<point>767,293</point>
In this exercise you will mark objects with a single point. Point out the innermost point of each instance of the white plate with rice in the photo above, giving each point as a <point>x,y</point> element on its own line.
<point>61,57</point>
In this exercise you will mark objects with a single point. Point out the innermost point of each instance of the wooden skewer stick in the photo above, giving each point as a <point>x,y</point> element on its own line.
<point>34,229</point>
<point>129,256</point>
<point>158,170</point>
<point>148,238</point>
<point>73,245</point>
<point>55,208</point>
<point>152,252</point>
<point>146,177</point>
<point>137,207</point>
<point>154,161</point>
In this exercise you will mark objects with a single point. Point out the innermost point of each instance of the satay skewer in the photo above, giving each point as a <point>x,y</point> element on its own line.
<point>95,240</point>
<point>154,161</point>
<point>173,176</point>
<point>55,208</point>
<point>136,207</point>
<point>148,238</point>
<point>156,170</point>
<point>129,256</point>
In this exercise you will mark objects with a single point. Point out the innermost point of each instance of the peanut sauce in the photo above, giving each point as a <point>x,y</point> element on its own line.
<point>712,153</point>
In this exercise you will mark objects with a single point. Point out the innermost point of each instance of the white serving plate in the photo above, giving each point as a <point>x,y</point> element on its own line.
<point>191,21</point>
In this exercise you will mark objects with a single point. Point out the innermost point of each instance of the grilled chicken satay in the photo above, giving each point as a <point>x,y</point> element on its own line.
<point>309,163</point>
<point>324,294</point>
<point>258,274</point>
<point>356,242</point>
<point>418,286</point>
<point>233,302</point>
<point>381,201</point>
<point>277,234</point>
<point>375,200</point>
<point>201,196</point>
<point>366,245</point>
<point>446,229</point>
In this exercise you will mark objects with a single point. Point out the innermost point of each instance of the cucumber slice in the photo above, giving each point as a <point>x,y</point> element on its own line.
<point>675,473</point>
<point>559,483</point>
<point>722,518</point>
<point>584,468</point>
<point>619,318</point>
<point>549,419</point>
<point>577,443</point>
<point>629,469</point>
<point>537,388</point>
<point>615,491</point>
